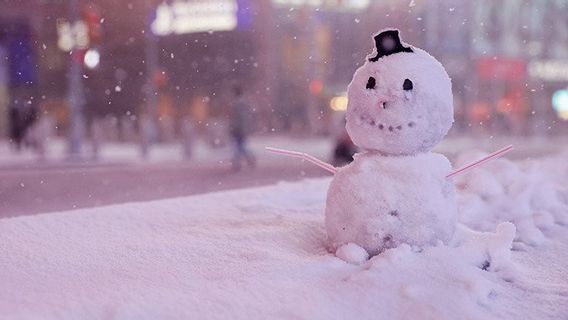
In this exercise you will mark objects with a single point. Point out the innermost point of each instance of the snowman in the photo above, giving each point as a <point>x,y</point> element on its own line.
<point>395,191</point>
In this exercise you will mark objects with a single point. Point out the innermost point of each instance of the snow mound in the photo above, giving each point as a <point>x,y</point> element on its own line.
<point>487,250</point>
<point>352,253</point>
<point>258,254</point>
<point>531,194</point>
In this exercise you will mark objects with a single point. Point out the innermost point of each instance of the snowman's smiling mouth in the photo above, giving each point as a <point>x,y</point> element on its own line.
<point>386,127</point>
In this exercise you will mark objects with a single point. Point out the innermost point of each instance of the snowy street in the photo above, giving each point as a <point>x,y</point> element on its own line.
<point>28,187</point>
<point>261,253</point>
<point>40,190</point>
<point>283,159</point>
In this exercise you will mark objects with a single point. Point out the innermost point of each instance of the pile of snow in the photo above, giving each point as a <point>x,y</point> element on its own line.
<point>531,194</point>
<point>261,253</point>
<point>380,202</point>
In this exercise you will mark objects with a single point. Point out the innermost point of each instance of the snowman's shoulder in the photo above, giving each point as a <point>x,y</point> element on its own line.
<point>435,163</point>
<point>436,158</point>
<point>361,164</point>
<point>372,163</point>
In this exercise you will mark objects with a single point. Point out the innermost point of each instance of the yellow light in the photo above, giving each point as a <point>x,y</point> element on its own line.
<point>560,103</point>
<point>338,103</point>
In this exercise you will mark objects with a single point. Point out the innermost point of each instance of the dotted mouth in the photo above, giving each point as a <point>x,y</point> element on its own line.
<point>381,126</point>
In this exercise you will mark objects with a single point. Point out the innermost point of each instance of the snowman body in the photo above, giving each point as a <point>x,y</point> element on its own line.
<point>395,191</point>
<point>379,202</point>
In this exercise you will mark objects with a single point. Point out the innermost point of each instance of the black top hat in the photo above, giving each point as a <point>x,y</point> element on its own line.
<point>387,43</point>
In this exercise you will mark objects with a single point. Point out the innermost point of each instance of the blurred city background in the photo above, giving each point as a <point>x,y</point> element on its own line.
<point>108,101</point>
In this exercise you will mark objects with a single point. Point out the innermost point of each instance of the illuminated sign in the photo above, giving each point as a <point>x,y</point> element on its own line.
<point>70,36</point>
<point>560,103</point>
<point>549,70</point>
<point>192,16</point>
<point>345,5</point>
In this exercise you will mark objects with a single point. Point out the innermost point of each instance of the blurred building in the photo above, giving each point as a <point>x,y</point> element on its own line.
<point>176,60</point>
<point>507,60</point>
<point>18,71</point>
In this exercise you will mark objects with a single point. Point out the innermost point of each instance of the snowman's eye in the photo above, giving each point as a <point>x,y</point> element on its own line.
<point>407,85</point>
<point>371,83</point>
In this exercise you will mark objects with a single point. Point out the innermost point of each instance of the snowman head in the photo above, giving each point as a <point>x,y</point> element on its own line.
<point>400,101</point>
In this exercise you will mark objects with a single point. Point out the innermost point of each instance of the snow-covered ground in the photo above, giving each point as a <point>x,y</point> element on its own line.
<point>113,152</point>
<point>261,253</point>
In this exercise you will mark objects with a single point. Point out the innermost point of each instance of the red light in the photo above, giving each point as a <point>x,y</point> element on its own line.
<point>316,87</point>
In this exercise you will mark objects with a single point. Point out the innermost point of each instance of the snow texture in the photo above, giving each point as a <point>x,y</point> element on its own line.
<point>395,191</point>
<point>352,253</point>
<point>530,194</point>
<point>379,202</point>
<point>261,253</point>
<point>395,121</point>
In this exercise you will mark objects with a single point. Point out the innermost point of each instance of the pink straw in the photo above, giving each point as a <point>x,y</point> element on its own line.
<point>481,161</point>
<point>304,156</point>
<point>333,170</point>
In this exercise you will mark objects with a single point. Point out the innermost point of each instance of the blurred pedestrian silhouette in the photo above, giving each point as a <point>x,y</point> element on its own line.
<point>344,148</point>
<point>22,115</point>
<point>240,125</point>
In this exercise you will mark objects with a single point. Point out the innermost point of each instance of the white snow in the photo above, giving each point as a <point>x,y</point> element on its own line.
<point>379,202</point>
<point>531,194</point>
<point>261,253</point>
<point>395,190</point>
<point>395,121</point>
<point>352,253</point>
<point>56,151</point>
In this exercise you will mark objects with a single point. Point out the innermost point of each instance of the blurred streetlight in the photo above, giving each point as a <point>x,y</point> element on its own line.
<point>92,58</point>
<point>338,103</point>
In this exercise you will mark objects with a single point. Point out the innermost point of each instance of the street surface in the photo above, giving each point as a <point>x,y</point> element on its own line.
<point>25,191</point>
<point>29,187</point>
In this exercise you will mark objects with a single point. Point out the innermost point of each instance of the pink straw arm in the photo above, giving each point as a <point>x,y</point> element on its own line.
<point>481,161</point>
<point>304,156</point>
<point>332,169</point>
